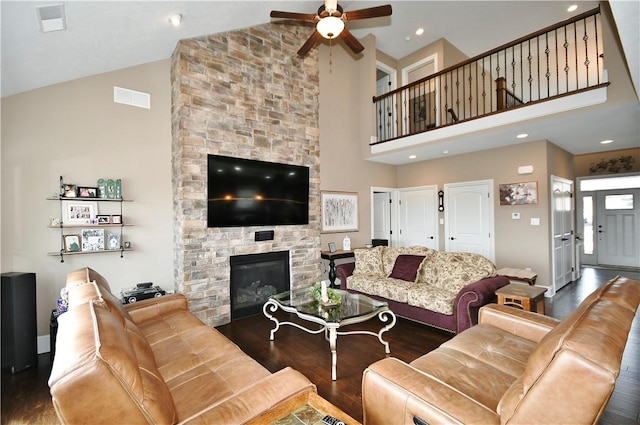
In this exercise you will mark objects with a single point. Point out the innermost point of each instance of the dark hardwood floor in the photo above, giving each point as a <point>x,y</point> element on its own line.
<point>25,395</point>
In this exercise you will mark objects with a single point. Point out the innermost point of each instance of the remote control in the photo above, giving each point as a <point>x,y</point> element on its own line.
<point>330,420</point>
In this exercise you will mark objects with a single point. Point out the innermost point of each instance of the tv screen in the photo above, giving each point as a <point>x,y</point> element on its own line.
<point>245,192</point>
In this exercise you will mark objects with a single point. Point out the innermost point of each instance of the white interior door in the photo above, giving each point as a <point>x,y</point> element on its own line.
<point>562,229</point>
<point>617,227</point>
<point>381,216</point>
<point>469,217</point>
<point>418,217</point>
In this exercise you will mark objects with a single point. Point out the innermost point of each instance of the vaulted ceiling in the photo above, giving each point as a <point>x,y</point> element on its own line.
<point>102,36</point>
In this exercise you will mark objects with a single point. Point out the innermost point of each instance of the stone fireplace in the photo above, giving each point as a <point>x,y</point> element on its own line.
<point>244,94</point>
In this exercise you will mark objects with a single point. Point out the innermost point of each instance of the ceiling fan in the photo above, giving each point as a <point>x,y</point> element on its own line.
<point>330,21</point>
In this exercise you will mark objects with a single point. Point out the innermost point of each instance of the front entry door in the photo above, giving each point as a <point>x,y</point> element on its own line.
<point>617,227</point>
<point>418,217</point>
<point>469,217</point>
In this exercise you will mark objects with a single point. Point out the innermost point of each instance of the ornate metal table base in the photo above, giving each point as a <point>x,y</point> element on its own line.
<point>330,329</point>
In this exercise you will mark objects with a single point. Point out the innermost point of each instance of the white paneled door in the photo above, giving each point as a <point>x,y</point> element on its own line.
<point>469,218</point>
<point>617,227</point>
<point>418,217</point>
<point>562,229</point>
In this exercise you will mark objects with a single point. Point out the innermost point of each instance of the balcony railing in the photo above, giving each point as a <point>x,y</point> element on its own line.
<point>561,59</point>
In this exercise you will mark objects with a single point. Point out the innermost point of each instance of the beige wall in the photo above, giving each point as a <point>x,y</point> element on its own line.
<point>347,124</point>
<point>517,243</point>
<point>75,129</point>
<point>582,163</point>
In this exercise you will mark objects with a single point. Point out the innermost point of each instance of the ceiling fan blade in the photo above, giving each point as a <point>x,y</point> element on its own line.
<point>372,12</point>
<point>351,41</point>
<point>293,15</point>
<point>311,42</point>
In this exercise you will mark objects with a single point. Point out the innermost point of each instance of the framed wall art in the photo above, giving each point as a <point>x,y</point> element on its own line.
<point>519,193</point>
<point>71,243</point>
<point>116,219</point>
<point>80,212</point>
<point>339,212</point>
<point>113,241</point>
<point>87,192</point>
<point>103,219</point>
<point>92,239</point>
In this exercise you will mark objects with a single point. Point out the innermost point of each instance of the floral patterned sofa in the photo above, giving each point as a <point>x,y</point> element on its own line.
<point>441,289</point>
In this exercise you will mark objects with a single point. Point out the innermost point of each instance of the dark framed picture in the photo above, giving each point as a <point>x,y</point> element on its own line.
<point>116,219</point>
<point>71,243</point>
<point>103,219</point>
<point>332,247</point>
<point>87,192</point>
<point>69,191</point>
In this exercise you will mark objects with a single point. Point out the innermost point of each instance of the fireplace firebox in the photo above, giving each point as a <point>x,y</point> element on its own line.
<point>254,278</point>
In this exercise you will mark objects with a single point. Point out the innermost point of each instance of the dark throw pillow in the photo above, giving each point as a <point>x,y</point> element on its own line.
<point>406,267</point>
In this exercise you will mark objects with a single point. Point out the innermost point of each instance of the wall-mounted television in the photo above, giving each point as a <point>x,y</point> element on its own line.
<point>246,192</point>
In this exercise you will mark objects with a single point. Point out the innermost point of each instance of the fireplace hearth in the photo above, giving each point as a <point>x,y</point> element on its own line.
<point>254,278</point>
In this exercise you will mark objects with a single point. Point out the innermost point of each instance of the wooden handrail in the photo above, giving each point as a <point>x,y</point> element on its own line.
<point>576,18</point>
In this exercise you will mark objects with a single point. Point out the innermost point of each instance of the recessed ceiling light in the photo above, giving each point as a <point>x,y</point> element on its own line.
<point>522,135</point>
<point>606,142</point>
<point>572,8</point>
<point>407,38</point>
<point>176,19</point>
<point>412,157</point>
<point>445,152</point>
<point>420,31</point>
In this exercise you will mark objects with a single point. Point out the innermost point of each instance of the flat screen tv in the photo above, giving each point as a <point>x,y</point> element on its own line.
<point>245,192</point>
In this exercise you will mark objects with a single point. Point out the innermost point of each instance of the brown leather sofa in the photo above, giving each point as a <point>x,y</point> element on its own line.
<point>154,362</point>
<point>514,367</point>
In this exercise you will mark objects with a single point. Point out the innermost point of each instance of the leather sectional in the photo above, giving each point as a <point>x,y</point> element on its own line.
<point>154,362</point>
<point>514,367</point>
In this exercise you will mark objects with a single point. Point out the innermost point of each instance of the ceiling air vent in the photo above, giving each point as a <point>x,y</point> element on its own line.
<point>131,97</point>
<point>51,17</point>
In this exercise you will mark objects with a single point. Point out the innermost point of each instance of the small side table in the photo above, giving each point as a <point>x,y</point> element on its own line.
<point>525,297</point>
<point>332,257</point>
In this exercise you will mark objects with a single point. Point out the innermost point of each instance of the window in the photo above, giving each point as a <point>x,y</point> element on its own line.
<point>619,202</point>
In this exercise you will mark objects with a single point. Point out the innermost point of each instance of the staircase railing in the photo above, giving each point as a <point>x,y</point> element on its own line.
<point>558,60</point>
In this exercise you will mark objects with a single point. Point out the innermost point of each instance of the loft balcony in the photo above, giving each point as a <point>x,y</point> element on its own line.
<point>556,69</point>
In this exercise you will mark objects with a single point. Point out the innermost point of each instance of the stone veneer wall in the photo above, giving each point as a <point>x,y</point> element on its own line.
<point>244,94</point>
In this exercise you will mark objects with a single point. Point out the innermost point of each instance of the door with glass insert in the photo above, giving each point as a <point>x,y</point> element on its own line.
<point>616,230</point>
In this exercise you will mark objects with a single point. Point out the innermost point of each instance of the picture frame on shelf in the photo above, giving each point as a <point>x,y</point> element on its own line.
<point>339,212</point>
<point>116,219</point>
<point>103,219</point>
<point>92,239</point>
<point>87,192</point>
<point>80,212</point>
<point>69,190</point>
<point>71,243</point>
<point>332,247</point>
<point>113,241</point>
<point>127,245</point>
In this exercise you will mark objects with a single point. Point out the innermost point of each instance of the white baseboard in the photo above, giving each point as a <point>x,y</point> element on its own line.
<point>44,345</point>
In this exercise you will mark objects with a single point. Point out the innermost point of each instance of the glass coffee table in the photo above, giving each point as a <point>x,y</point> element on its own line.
<point>353,309</point>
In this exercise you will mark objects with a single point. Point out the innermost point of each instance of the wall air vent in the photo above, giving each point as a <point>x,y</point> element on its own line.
<point>131,97</point>
<point>51,17</point>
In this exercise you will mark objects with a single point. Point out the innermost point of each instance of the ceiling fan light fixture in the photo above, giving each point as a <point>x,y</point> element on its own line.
<point>330,27</point>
